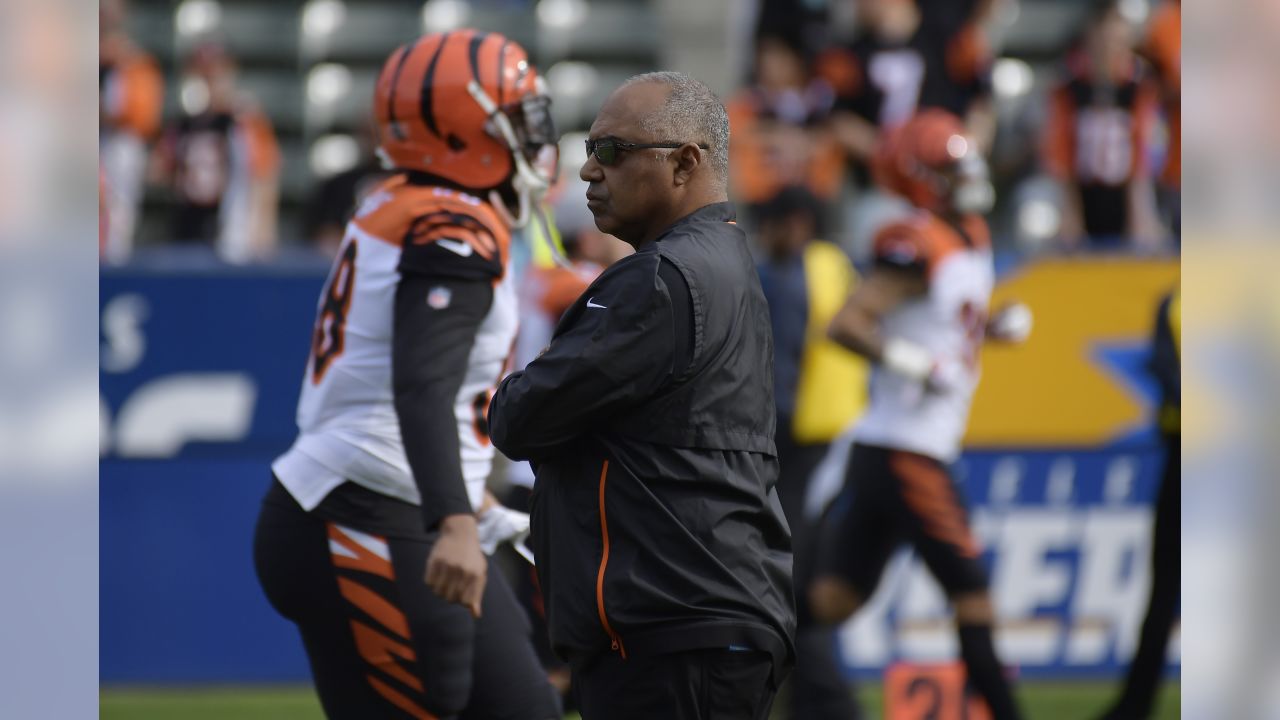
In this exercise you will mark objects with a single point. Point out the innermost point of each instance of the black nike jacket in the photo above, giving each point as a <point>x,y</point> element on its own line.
<point>649,421</point>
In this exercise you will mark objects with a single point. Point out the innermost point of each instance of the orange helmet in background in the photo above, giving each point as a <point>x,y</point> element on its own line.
<point>468,107</point>
<point>931,161</point>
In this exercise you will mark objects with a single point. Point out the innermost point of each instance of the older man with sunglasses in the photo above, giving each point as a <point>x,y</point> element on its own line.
<point>662,551</point>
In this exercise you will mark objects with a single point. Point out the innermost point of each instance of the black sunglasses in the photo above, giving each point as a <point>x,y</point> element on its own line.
<point>606,149</point>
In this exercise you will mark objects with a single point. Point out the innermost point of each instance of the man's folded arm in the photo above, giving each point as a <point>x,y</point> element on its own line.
<point>616,351</point>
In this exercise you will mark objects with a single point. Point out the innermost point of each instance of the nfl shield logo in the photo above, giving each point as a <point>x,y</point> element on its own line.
<point>439,297</point>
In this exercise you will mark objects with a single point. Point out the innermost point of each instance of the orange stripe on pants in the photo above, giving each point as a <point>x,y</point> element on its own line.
<point>363,561</point>
<point>399,700</point>
<point>378,607</point>
<point>928,492</point>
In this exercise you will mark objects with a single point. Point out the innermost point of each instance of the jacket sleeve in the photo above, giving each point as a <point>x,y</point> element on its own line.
<point>613,349</point>
<point>430,346</point>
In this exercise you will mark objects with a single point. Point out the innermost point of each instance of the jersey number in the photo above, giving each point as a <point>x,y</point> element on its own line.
<point>331,324</point>
<point>1105,145</point>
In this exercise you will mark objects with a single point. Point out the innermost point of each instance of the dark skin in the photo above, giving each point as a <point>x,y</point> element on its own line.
<point>857,324</point>
<point>645,191</point>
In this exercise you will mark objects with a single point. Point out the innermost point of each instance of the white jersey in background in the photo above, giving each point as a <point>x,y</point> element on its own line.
<point>949,320</point>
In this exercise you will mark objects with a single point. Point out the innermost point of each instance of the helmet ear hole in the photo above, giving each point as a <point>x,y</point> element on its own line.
<point>456,143</point>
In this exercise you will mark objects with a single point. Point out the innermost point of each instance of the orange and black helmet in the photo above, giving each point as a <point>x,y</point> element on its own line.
<point>465,106</point>
<point>931,161</point>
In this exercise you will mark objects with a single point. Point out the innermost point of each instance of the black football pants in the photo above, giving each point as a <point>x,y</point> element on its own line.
<point>380,643</point>
<point>711,684</point>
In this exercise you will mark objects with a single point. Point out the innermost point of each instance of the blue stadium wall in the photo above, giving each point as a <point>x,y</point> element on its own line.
<point>201,371</point>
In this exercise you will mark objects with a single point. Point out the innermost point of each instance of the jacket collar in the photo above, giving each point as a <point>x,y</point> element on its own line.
<point>715,212</point>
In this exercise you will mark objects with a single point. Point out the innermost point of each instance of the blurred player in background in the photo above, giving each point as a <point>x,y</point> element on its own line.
<point>130,99</point>
<point>1143,679</point>
<point>381,490</point>
<point>920,317</point>
<point>221,162</point>
<point>1097,134</point>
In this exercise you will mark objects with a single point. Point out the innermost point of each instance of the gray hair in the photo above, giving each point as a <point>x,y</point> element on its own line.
<point>692,114</point>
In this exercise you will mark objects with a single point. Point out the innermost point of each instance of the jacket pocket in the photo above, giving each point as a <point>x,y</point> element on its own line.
<point>614,638</point>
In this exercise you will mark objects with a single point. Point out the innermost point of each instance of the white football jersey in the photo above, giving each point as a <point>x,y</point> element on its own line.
<point>347,422</point>
<point>949,320</point>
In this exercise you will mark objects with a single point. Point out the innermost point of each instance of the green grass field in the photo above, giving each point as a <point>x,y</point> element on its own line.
<point>1041,700</point>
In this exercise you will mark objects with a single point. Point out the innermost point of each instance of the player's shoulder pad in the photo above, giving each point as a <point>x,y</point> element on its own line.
<point>905,244</point>
<point>923,241</point>
<point>441,231</point>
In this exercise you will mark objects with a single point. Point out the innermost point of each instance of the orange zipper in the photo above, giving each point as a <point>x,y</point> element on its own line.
<point>604,562</point>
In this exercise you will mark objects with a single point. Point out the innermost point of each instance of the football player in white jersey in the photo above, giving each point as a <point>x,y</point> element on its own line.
<point>921,317</point>
<point>370,539</point>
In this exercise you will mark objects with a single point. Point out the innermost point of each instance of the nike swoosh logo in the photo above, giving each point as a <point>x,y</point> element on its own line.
<point>592,304</point>
<point>455,247</point>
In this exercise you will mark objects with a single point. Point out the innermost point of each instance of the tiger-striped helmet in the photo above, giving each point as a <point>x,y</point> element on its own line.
<point>931,161</point>
<point>466,106</point>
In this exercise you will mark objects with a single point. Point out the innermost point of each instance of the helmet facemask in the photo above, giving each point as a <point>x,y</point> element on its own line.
<point>964,185</point>
<point>526,128</point>
<point>971,188</point>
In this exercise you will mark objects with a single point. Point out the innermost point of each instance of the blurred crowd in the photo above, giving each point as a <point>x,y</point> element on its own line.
<point>1093,163</point>
<point>1101,170</point>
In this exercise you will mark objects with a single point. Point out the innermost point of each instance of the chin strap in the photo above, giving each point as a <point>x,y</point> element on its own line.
<point>528,184</point>
<point>973,192</point>
<point>974,196</point>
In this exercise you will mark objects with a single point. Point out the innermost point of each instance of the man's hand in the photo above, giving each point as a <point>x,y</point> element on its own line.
<point>456,568</point>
